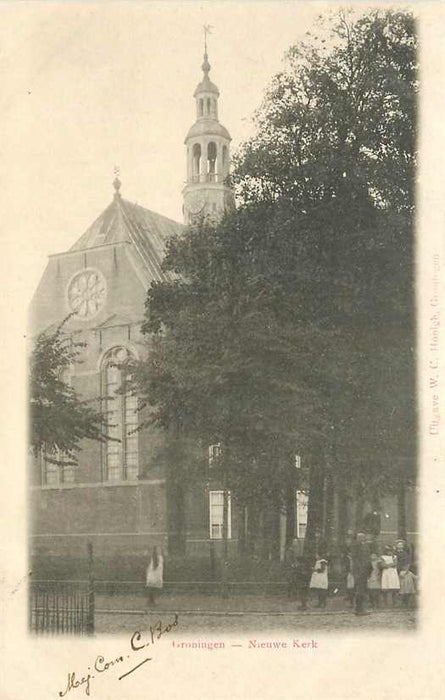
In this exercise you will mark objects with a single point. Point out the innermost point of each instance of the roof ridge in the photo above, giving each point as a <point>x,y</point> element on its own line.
<point>125,221</point>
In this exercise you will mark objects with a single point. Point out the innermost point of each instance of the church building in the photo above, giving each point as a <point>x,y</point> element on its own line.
<point>118,495</point>
<point>121,496</point>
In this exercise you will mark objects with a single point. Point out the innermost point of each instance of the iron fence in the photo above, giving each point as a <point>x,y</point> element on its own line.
<point>61,607</point>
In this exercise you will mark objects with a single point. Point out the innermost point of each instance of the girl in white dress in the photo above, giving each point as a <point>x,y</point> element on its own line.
<point>154,579</point>
<point>319,580</point>
<point>390,579</point>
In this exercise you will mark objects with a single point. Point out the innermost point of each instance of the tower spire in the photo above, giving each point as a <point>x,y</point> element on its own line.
<point>207,30</point>
<point>208,160</point>
<point>206,65</point>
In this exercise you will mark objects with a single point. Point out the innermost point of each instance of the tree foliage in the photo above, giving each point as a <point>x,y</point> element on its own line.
<point>334,157</point>
<point>289,326</point>
<point>59,419</point>
<point>335,148</point>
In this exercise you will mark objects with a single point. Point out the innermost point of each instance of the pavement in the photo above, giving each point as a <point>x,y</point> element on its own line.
<point>199,614</point>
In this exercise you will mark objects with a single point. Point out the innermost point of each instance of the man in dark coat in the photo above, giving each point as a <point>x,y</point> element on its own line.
<point>361,552</point>
<point>302,578</point>
<point>300,570</point>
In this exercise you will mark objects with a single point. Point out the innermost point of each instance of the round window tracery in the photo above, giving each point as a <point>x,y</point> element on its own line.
<point>87,293</point>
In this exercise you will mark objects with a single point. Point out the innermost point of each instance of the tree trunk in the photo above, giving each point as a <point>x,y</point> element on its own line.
<point>401,509</point>
<point>275,533</point>
<point>359,506</point>
<point>176,517</point>
<point>329,510</point>
<point>264,534</point>
<point>291,492</point>
<point>176,494</point>
<point>180,520</point>
<point>343,512</point>
<point>290,518</point>
<point>225,563</point>
<point>314,516</point>
<point>253,525</point>
<point>242,529</point>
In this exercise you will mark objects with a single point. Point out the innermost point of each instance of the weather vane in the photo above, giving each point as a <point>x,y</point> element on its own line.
<point>207,30</point>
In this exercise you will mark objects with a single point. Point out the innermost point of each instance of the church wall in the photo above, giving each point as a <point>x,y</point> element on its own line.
<point>198,541</point>
<point>119,519</point>
<point>126,291</point>
<point>123,517</point>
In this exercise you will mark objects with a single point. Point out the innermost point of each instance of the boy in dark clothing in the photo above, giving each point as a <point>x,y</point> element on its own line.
<point>361,568</point>
<point>302,575</point>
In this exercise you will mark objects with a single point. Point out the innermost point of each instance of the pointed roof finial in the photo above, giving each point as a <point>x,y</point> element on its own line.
<point>206,84</point>
<point>206,65</point>
<point>116,182</point>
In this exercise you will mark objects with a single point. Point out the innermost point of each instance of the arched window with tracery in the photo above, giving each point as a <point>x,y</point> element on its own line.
<point>121,451</point>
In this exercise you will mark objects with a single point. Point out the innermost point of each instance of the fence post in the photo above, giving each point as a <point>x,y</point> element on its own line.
<point>30,605</point>
<point>90,612</point>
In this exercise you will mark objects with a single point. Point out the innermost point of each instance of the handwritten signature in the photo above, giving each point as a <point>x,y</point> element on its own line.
<point>101,665</point>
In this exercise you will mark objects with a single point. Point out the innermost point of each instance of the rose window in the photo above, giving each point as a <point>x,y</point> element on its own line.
<point>86,293</point>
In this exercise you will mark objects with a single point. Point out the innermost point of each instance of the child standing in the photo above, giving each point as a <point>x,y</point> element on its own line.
<point>350,582</point>
<point>319,580</point>
<point>390,579</point>
<point>302,578</point>
<point>403,556</point>
<point>373,584</point>
<point>407,587</point>
<point>155,575</point>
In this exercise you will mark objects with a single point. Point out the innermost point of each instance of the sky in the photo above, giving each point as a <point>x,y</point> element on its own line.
<point>90,86</point>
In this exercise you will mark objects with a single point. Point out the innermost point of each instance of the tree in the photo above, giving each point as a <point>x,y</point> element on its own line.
<point>220,367</point>
<point>334,155</point>
<point>289,326</point>
<point>59,419</point>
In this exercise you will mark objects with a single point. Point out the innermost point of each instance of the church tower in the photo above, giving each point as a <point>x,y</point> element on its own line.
<point>208,155</point>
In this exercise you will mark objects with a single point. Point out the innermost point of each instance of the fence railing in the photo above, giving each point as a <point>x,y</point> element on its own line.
<point>61,607</point>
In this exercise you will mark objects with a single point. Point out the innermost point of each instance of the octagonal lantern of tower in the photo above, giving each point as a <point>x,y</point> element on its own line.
<point>208,156</point>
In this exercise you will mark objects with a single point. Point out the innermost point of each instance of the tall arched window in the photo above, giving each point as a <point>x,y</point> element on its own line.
<point>121,452</point>
<point>211,158</point>
<point>201,107</point>
<point>196,161</point>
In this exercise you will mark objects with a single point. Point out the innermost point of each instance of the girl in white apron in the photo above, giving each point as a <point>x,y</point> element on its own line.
<point>155,575</point>
<point>319,581</point>
<point>390,578</point>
